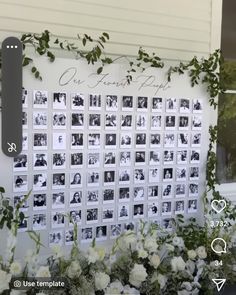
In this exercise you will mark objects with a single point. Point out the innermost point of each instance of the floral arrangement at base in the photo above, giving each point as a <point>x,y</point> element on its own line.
<point>150,261</point>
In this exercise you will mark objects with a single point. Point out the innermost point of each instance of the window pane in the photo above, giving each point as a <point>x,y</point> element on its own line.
<point>226,147</point>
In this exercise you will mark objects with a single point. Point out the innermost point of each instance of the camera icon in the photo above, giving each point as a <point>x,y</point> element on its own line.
<point>17,284</point>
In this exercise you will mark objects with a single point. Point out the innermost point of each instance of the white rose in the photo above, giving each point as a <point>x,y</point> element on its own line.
<point>192,254</point>
<point>201,252</point>
<point>114,288</point>
<point>43,272</point>
<point>4,280</point>
<point>137,275</point>
<point>101,280</point>
<point>162,280</point>
<point>177,264</point>
<point>150,244</point>
<point>130,291</point>
<point>128,241</point>
<point>15,268</point>
<point>57,251</point>
<point>154,260</point>
<point>74,270</point>
<point>178,242</point>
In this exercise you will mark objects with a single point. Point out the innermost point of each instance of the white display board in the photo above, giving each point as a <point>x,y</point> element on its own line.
<point>107,152</point>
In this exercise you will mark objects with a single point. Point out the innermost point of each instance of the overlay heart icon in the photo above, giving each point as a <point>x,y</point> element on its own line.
<point>218,205</point>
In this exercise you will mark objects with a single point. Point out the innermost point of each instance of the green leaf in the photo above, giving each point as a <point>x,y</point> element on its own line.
<point>106,35</point>
<point>99,70</point>
<point>2,190</point>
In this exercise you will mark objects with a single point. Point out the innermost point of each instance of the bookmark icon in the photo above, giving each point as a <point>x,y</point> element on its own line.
<point>219,283</point>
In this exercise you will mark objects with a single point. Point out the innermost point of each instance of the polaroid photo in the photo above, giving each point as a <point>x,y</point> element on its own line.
<point>195,156</point>
<point>20,163</point>
<point>75,180</point>
<point>111,103</point>
<point>40,181</point>
<point>58,200</point>
<point>59,120</point>
<point>39,221</point>
<point>39,202</point>
<point>182,157</point>
<point>157,104</point>
<point>108,196</point>
<point>18,200</point>
<point>76,198</point>
<point>40,141</point>
<point>87,235</point>
<point>179,207</point>
<point>58,181</point>
<point>184,105</point>
<point>109,159</point>
<point>24,142</point>
<point>130,226</point>
<point>167,224</point>
<point>155,140</point>
<point>170,122</point>
<point>194,173</point>
<point>115,231</point>
<point>124,194</point>
<point>76,160</point>
<point>169,140</point>
<point>94,141</point>
<point>192,206</point>
<point>125,158</point>
<point>59,141</point>
<point>92,198</point>
<point>40,161</point>
<point>24,120</point>
<point>59,100</point>
<point>196,122</point>
<point>183,139</point>
<point>153,209</point>
<point>181,174</point>
<point>40,99</point>
<point>126,122</point>
<point>180,190</point>
<point>108,215</point>
<point>127,103</point>
<point>193,189</point>
<point>124,176</point>
<point>168,174</point>
<point>138,210</point>
<point>69,237</point>
<point>153,191</point>
<point>20,183</point>
<point>156,122</point>
<point>141,122</point>
<point>101,233</point>
<point>167,191</point>
<point>109,178</point>
<point>139,175</point>
<point>168,157</point>
<point>92,215</point>
<point>196,140</point>
<point>77,101</point>
<point>40,120</point>
<point>142,103</point>
<point>140,140</point>
<point>110,121</point>
<point>94,121</point>
<point>77,121</point>
<point>95,102</point>
<point>75,217</point>
<point>59,161</point>
<point>110,140</point>
<point>139,193</point>
<point>93,178</point>
<point>123,212</point>
<point>183,123</point>
<point>93,160</point>
<point>171,105</point>
<point>140,158</point>
<point>154,158</point>
<point>153,175</point>
<point>23,224</point>
<point>58,219</point>
<point>77,140</point>
<point>197,105</point>
<point>166,208</point>
<point>125,140</point>
<point>24,98</point>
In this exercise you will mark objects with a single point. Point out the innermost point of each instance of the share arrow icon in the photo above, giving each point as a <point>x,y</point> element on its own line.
<point>219,283</point>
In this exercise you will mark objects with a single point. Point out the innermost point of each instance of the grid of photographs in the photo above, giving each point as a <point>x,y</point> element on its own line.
<point>106,161</point>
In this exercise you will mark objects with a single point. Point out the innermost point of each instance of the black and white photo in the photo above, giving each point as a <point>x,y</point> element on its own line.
<point>157,104</point>
<point>140,140</point>
<point>168,157</point>
<point>40,181</point>
<point>124,194</point>
<point>24,98</point>
<point>20,163</point>
<point>40,161</point>
<point>167,224</point>
<point>183,139</point>
<point>77,121</point>
<point>111,103</point>
<point>167,174</point>
<point>40,120</point>
<point>126,122</point>
<point>110,140</point>
<point>58,200</point>
<point>115,231</point>
<point>108,215</point>
<point>57,219</point>
<point>24,120</point>
<point>39,221</point>
<point>125,140</point>
<point>40,99</point>
<point>184,105</point>
<point>39,202</point>
<point>142,103</point>
<point>180,190</point>
<point>182,157</point>
<point>59,120</point>
<point>94,121</point>
<point>153,191</point>
<point>109,178</point>
<point>127,103</point>
<point>123,211</point>
<point>93,178</point>
<point>59,141</point>
<point>109,159</point>
<point>155,140</point>
<point>192,206</point>
<point>125,158</point>
<point>154,158</point>
<point>129,226</point>
<point>77,140</point>
<point>197,105</point>
<point>194,173</point>
<point>94,140</point>
<point>153,209</point>
<point>40,141</point>
<point>153,175</point>
<point>76,160</point>
<point>58,180</point>
<point>75,179</point>
<point>59,100</point>
<point>183,123</point>
<point>93,160</point>
<point>21,201</point>
<point>77,101</point>
<point>196,140</point>
<point>181,174</point>
<point>169,140</point>
<point>101,233</point>
<point>108,196</point>
<point>87,234</point>
<point>193,189</point>
<point>75,217</point>
<point>141,122</point>
<point>166,208</point>
<point>95,102</point>
<point>23,224</point>
<point>139,175</point>
<point>59,161</point>
<point>110,121</point>
<point>196,122</point>
<point>69,237</point>
<point>140,158</point>
<point>156,122</point>
<point>179,207</point>
<point>124,176</point>
<point>167,191</point>
<point>92,215</point>
<point>171,105</point>
<point>138,211</point>
<point>139,193</point>
<point>195,156</point>
<point>170,122</point>
<point>75,198</point>
<point>20,183</point>
<point>24,142</point>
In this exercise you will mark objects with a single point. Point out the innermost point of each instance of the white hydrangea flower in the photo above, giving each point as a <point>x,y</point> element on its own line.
<point>177,264</point>
<point>5,279</point>
<point>114,288</point>
<point>192,254</point>
<point>43,272</point>
<point>128,241</point>
<point>130,291</point>
<point>15,268</point>
<point>178,242</point>
<point>169,247</point>
<point>150,244</point>
<point>74,270</point>
<point>190,266</point>
<point>95,254</point>
<point>137,275</point>
<point>101,280</point>
<point>162,280</point>
<point>57,251</point>
<point>201,252</point>
<point>154,260</point>
<point>141,252</point>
